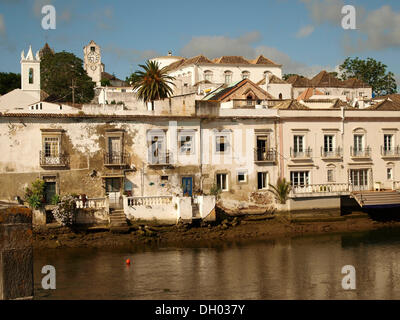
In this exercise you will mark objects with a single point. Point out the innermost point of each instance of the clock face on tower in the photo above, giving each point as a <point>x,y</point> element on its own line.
<point>93,57</point>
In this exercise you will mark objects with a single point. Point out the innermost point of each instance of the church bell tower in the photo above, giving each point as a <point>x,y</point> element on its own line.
<point>92,61</point>
<point>30,73</point>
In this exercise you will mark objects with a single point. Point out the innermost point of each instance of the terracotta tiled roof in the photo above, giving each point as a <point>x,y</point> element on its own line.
<point>290,105</point>
<point>231,60</point>
<point>299,81</point>
<point>221,93</point>
<point>385,105</point>
<point>200,59</point>
<point>325,80</point>
<point>395,97</point>
<point>262,60</point>
<point>308,93</point>
<point>272,79</point>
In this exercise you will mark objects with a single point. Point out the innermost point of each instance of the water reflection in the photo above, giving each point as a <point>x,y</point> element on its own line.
<point>307,267</point>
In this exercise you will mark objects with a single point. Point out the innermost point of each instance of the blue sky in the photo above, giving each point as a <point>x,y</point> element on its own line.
<point>304,35</point>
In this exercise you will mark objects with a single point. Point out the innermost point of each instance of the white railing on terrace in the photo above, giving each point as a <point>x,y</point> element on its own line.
<point>321,188</point>
<point>396,185</point>
<point>94,203</point>
<point>150,200</point>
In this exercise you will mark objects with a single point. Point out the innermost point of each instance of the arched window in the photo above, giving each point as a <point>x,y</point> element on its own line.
<point>249,99</point>
<point>245,75</point>
<point>280,96</point>
<point>208,75</point>
<point>228,77</point>
<point>30,75</point>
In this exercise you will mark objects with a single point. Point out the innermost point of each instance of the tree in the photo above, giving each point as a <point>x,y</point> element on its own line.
<point>281,190</point>
<point>59,72</point>
<point>152,83</point>
<point>371,72</point>
<point>9,81</point>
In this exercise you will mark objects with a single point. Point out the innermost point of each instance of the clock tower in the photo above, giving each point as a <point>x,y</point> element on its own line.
<point>92,61</point>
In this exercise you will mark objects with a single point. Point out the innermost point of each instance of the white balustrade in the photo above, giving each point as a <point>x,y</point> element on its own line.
<point>148,200</point>
<point>321,188</point>
<point>93,203</point>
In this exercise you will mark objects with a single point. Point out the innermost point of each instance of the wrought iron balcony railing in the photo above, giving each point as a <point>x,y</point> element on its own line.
<point>264,155</point>
<point>115,158</point>
<point>360,153</point>
<point>157,157</point>
<point>333,153</point>
<point>392,152</point>
<point>304,154</point>
<point>47,160</point>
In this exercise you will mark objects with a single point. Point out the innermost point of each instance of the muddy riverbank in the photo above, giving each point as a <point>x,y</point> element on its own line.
<point>238,229</point>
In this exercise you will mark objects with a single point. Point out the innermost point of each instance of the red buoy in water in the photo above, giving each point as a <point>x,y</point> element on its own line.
<point>128,261</point>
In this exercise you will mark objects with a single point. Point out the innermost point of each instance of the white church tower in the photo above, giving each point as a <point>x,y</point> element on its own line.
<point>92,61</point>
<point>30,73</point>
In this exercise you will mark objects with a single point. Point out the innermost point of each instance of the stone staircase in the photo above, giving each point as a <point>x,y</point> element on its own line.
<point>118,223</point>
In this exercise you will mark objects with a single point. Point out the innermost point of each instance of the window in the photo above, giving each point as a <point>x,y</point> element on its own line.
<point>358,142</point>
<point>388,142</point>
<point>389,173</point>
<point>186,144</point>
<point>249,100</point>
<point>93,49</point>
<point>208,75</point>
<point>328,143</point>
<point>113,185</point>
<point>222,181</point>
<point>228,77</point>
<point>221,143</point>
<point>299,178</point>
<point>164,178</point>
<point>280,96</point>
<point>262,180</point>
<point>242,176</point>
<point>51,147</point>
<point>329,175</point>
<point>30,76</point>
<point>245,75</point>
<point>298,143</point>
<point>359,179</point>
<point>360,94</point>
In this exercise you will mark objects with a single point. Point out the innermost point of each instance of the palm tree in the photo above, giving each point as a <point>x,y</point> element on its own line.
<point>281,190</point>
<point>152,83</point>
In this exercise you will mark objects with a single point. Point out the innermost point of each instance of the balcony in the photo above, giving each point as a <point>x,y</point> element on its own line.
<point>318,190</point>
<point>301,155</point>
<point>390,153</point>
<point>264,155</point>
<point>364,153</point>
<point>61,160</point>
<point>115,159</point>
<point>161,158</point>
<point>335,153</point>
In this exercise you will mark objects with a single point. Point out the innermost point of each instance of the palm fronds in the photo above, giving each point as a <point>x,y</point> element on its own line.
<point>281,190</point>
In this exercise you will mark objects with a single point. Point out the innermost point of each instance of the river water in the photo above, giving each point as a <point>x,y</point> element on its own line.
<point>304,267</point>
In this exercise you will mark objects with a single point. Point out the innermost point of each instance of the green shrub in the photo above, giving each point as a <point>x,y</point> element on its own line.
<point>215,191</point>
<point>35,194</point>
<point>55,199</point>
<point>281,190</point>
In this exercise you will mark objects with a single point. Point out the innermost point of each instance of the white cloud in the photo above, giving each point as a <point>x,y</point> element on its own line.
<point>305,31</point>
<point>216,46</point>
<point>323,11</point>
<point>378,30</point>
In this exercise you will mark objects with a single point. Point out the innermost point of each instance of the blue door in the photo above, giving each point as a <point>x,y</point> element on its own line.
<point>187,186</point>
